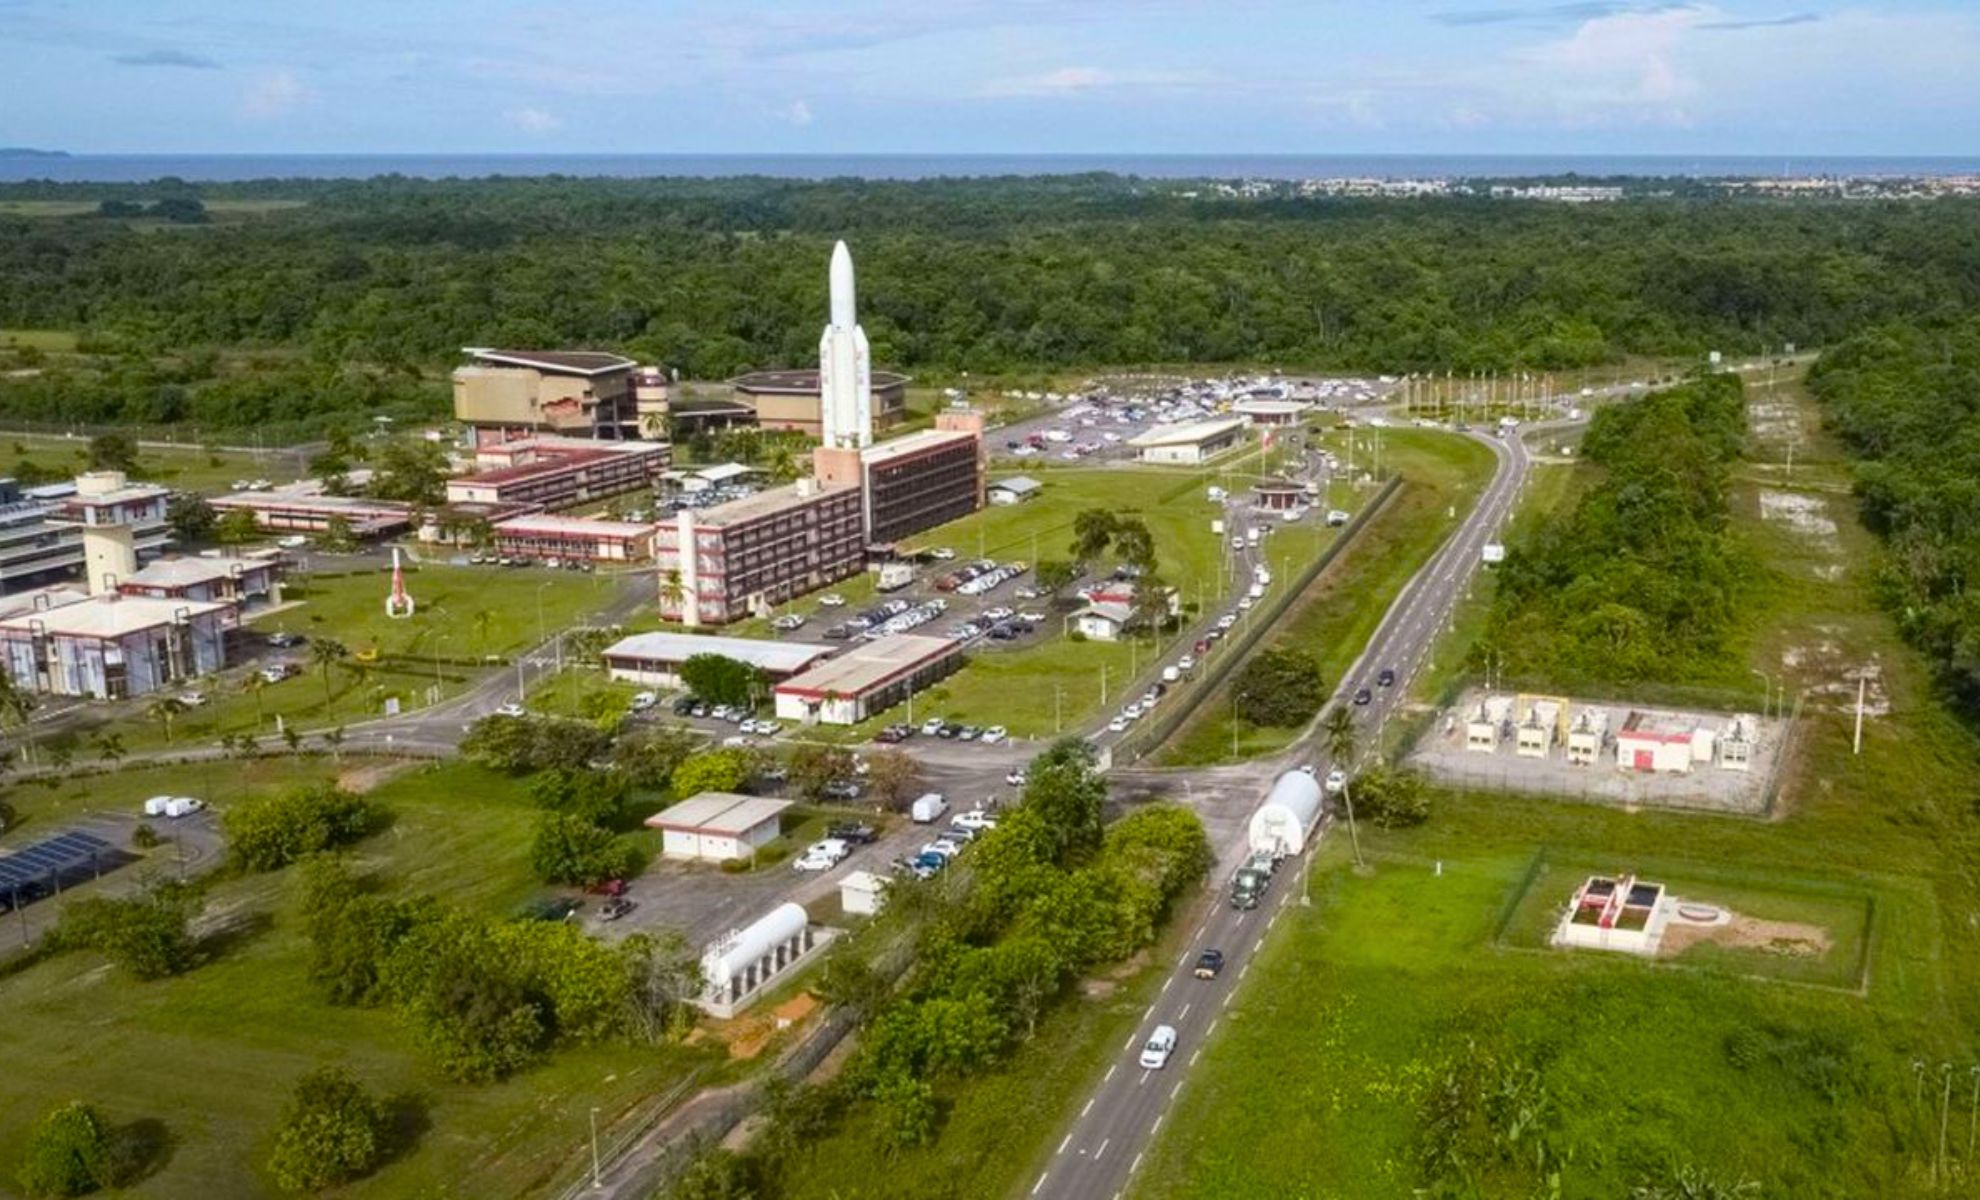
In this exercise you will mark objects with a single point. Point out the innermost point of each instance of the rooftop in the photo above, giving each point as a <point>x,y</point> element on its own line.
<point>1253,404</point>
<point>718,813</point>
<point>802,382</point>
<point>1659,724</point>
<point>1108,610</point>
<point>723,472</point>
<point>573,526</point>
<point>764,503</point>
<point>779,657</point>
<point>915,443</point>
<point>1194,431</point>
<point>1022,485</point>
<point>869,665</point>
<point>111,616</point>
<point>562,362</point>
<point>186,572</point>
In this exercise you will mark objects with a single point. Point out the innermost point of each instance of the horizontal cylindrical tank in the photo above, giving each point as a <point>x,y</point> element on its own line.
<point>1281,825</point>
<point>730,956</point>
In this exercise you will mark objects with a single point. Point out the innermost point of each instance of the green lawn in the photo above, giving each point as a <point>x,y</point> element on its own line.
<point>45,803</point>
<point>213,1053</point>
<point>59,341</point>
<point>1409,1012</point>
<point>1340,611</point>
<point>187,467</point>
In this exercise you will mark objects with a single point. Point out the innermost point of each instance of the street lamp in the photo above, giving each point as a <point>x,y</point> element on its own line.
<point>1767,698</point>
<point>596,1181</point>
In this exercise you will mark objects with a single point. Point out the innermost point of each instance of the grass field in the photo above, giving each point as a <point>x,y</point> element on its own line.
<point>55,341</point>
<point>212,1054</point>
<point>1340,611</point>
<point>1410,1014</point>
<point>186,467</point>
<point>45,803</point>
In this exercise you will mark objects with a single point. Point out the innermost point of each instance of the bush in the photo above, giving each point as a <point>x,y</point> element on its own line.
<point>1390,798</point>
<point>596,796</point>
<point>519,745</point>
<point>268,832</point>
<point>144,837</point>
<point>713,771</point>
<point>69,1153</point>
<point>1278,687</point>
<point>334,1131</point>
<point>145,934</point>
<point>721,680</point>
<point>570,849</point>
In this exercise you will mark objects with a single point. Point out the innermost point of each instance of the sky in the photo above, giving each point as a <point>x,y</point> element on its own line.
<point>1767,77</point>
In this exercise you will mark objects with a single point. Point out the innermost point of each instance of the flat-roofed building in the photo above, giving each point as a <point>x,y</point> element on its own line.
<point>921,480</point>
<point>727,561</point>
<point>717,826</point>
<point>589,539</point>
<point>1015,490</point>
<point>1661,741</point>
<point>867,679</point>
<point>227,579</point>
<point>42,529</point>
<point>502,395</point>
<point>654,659</point>
<point>1265,410</point>
<point>1194,442</point>
<point>791,399</point>
<point>286,511</point>
<point>113,646</point>
<point>555,472</point>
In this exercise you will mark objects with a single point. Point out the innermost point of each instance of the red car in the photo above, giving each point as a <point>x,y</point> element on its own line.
<point>608,887</point>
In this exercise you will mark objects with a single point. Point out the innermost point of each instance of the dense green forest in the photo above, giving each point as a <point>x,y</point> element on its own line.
<point>355,299</point>
<point>1906,401</point>
<point>1640,581</point>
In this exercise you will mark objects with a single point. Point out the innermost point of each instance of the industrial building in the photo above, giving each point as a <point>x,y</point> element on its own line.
<point>723,563</point>
<point>586,539</point>
<point>1656,741</point>
<point>556,472</point>
<point>502,395</point>
<point>1191,443</point>
<point>298,510</point>
<point>654,659</point>
<point>790,400</point>
<point>717,826</point>
<point>867,679</point>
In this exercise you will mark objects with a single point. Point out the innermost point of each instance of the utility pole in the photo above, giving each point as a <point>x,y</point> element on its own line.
<point>596,1181</point>
<point>1857,747</point>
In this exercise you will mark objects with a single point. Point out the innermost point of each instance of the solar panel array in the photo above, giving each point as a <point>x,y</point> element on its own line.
<point>35,862</point>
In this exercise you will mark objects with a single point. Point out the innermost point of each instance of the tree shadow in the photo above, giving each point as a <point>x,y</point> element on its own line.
<point>407,1122</point>
<point>233,932</point>
<point>139,1150</point>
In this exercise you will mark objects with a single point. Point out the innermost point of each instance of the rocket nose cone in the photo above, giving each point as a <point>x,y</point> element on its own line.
<point>842,286</point>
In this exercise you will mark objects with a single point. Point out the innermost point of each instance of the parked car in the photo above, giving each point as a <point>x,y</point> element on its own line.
<point>853,833</point>
<point>842,789</point>
<point>1161,1044</point>
<point>832,600</point>
<point>1015,778</point>
<point>282,639</point>
<point>932,726</point>
<point>642,701</point>
<point>1336,780</point>
<point>994,735</point>
<point>615,908</point>
<point>822,856</point>
<point>192,699</point>
<point>511,709</point>
<point>976,819</point>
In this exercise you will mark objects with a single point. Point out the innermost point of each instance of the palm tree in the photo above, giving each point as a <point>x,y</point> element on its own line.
<point>164,710</point>
<point>254,684</point>
<point>15,705</point>
<point>672,591</point>
<point>110,746</point>
<point>326,653</point>
<point>1340,734</point>
<point>481,619</point>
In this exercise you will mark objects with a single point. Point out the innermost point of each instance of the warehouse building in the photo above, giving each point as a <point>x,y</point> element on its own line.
<point>502,395</point>
<point>728,561</point>
<point>867,679</point>
<point>586,539</point>
<point>1015,490</point>
<point>556,472</point>
<point>1187,444</point>
<point>717,826</point>
<point>654,659</point>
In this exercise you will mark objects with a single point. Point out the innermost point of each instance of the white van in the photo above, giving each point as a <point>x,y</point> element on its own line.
<point>928,808</point>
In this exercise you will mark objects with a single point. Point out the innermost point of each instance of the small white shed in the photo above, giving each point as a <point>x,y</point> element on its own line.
<point>863,892</point>
<point>717,825</point>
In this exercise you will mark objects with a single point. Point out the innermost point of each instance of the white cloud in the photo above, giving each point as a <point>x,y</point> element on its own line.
<point>797,112</point>
<point>1076,81</point>
<point>533,120</point>
<point>274,94</point>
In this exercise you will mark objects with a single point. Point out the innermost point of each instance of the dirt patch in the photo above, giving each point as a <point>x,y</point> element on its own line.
<point>1831,678</point>
<point>367,776</point>
<point>1789,939</point>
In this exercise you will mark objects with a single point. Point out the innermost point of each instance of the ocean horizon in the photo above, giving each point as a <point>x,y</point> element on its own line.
<point>233,168</point>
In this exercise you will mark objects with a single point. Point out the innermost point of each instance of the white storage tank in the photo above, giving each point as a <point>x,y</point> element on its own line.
<point>738,965</point>
<point>1281,825</point>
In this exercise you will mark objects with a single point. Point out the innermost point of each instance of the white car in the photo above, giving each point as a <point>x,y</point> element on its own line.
<point>1336,780</point>
<point>976,820</point>
<point>642,701</point>
<point>832,600</point>
<point>1117,725</point>
<point>1227,620</point>
<point>769,728</point>
<point>1161,1044</point>
<point>822,856</point>
<point>192,699</point>
<point>1186,662</point>
<point>294,541</point>
<point>932,726</point>
<point>1034,618</point>
<point>943,847</point>
<point>155,807</point>
<point>1244,604</point>
<point>941,554</point>
<point>511,709</point>
<point>1015,778</point>
<point>994,734</point>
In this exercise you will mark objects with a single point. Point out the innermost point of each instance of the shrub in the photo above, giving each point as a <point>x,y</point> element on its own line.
<point>334,1131</point>
<point>1390,798</point>
<point>69,1153</point>
<point>1278,687</point>
<point>570,849</point>
<point>144,837</point>
<point>268,832</point>
<point>713,771</point>
<point>145,934</point>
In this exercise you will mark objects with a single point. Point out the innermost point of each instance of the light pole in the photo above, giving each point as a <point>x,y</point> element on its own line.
<point>596,1181</point>
<point>1767,697</point>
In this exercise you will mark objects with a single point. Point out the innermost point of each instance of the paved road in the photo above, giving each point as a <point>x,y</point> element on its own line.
<point>1115,1126</point>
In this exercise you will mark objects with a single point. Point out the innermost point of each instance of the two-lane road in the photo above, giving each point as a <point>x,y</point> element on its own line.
<point>1097,1156</point>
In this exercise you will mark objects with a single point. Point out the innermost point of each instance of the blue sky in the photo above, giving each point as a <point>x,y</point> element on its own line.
<point>960,76</point>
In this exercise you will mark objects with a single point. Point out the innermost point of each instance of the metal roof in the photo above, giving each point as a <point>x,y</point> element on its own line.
<point>1018,485</point>
<point>1194,432</point>
<point>663,647</point>
<point>566,362</point>
<point>718,813</point>
<point>64,852</point>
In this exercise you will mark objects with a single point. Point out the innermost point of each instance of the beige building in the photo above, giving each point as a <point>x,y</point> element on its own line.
<point>791,399</point>
<point>507,394</point>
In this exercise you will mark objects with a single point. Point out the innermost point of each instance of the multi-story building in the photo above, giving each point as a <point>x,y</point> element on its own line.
<point>555,472</point>
<point>587,539</point>
<point>723,563</point>
<point>297,510</point>
<point>914,482</point>
<point>502,395</point>
<point>111,646</point>
<point>41,537</point>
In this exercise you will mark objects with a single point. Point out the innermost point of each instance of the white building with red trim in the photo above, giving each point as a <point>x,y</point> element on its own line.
<point>591,539</point>
<point>867,679</point>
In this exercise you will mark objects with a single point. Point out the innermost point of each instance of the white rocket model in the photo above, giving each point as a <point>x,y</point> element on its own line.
<point>845,370</point>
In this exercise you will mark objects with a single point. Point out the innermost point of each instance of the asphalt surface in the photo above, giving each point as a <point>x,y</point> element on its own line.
<point>1105,1143</point>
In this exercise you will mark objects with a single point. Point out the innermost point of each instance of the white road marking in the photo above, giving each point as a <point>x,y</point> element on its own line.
<point>1183,1015</point>
<point>1144,1077</point>
<point>1102,1149</point>
<point>1172,1093</point>
<point>1064,1144</point>
<point>1115,1067</point>
<point>1157,1125</point>
<point>1088,1108</point>
<point>1039,1184</point>
<point>1193,1057</point>
<point>1166,982</point>
<point>1227,999</point>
